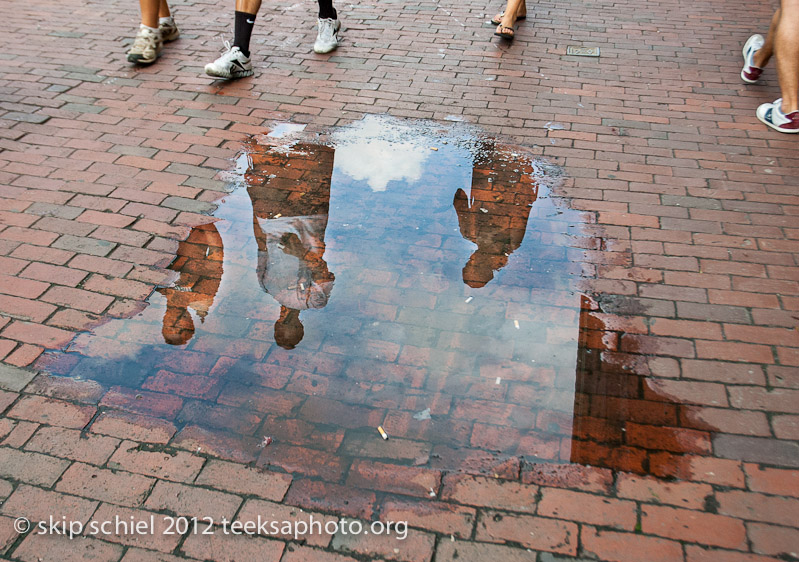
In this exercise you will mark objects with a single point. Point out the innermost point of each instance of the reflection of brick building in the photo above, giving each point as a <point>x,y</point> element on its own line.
<point>494,215</point>
<point>620,420</point>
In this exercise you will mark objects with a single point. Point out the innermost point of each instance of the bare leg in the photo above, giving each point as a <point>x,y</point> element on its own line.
<point>511,11</point>
<point>248,6</point>
<point>763,55</point>
<point>786,51</point>
<point>163,10</point>
<point>149,12</point>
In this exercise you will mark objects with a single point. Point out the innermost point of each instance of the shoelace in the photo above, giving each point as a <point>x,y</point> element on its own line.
<point>327,32</point>
<point>143,40</point>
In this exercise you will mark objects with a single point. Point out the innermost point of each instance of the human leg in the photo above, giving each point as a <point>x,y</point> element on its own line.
<point>783,114</point>
<point>166,23</point>
<point>505,28</point>
<point>520,14</point>
<point>148,42</point>
<point>246,10</point>
<point>786,49</point>
<point>235,60</point>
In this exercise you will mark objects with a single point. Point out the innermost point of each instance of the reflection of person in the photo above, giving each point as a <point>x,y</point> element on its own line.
<point>505,21</point>
<point>157,27</point>
<point>235,61</point>
<point>289,221</point>
<point>782,41</point>
<point>199,261</point>
<point>495,217</point>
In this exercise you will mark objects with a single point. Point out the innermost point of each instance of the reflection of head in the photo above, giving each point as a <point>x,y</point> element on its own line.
<point>288,328</point>
<point>479,270</point>
<point>178,326</point>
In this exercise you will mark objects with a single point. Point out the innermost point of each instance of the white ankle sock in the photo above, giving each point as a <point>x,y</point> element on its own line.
<point>169,19</point>
<point>153,29</point>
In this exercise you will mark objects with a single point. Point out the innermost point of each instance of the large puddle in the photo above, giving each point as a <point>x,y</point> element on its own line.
<point>410,276</point>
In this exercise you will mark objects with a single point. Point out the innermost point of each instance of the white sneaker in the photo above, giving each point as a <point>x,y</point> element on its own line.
<point>771,114</point>
<point>326,39</point>
<point>751,73</point>
<point>146,47</point>
<point>169,30</point>
<point>232,64</point>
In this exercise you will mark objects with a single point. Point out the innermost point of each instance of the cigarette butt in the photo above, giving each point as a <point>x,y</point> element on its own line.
<point>433,148</point>
<point>469,299</point>
<point>516,324</point>
<point>277,216</point>
<point>382,432</point>
<point>499,380</point>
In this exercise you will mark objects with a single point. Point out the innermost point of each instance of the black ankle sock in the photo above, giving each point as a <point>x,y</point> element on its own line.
<point>326,10</point>
<point>242,32</point>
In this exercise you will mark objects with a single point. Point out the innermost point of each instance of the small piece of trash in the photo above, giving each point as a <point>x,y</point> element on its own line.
<point>499,380</point>
<point>470,299</point>
<point>483,210</point>
<point>432,493</point>
<point>433,148</point>
<point>423,415</point>
<point>265,443</point>
<point>382,432</point>
<point>516,324</point>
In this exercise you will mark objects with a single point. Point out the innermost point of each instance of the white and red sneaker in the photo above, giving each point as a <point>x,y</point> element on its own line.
<point>771,114</point>
<point>751,73</point>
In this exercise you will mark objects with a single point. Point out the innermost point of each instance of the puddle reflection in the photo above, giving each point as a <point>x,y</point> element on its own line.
<point>453,318</point>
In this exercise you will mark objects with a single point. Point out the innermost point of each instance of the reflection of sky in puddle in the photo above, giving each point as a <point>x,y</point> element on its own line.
<point>375,281</point>
<point>364,155</point>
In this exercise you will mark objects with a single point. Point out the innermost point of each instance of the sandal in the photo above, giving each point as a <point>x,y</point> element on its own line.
<point>498,18</point>
<point>504,32</point>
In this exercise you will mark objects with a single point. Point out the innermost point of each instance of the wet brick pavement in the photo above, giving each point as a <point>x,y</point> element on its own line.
<point>685,419</point>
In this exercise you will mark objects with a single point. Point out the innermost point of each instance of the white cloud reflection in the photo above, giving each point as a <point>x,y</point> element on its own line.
<point>377,155</point>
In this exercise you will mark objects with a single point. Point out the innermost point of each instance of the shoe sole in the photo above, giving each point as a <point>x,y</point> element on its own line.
<point>776,128</point>
<point>138,59</point>
<point>229,76</point>
<point>322,51</point>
